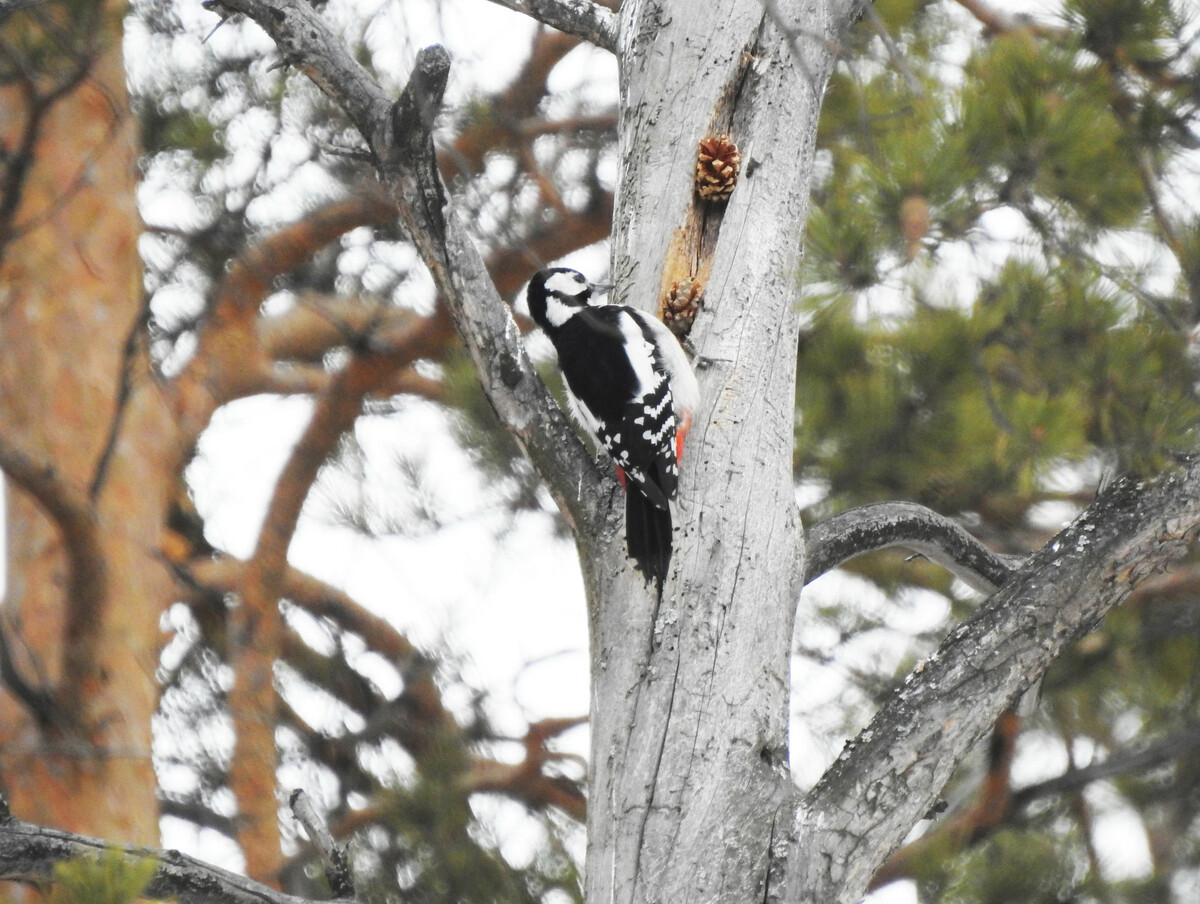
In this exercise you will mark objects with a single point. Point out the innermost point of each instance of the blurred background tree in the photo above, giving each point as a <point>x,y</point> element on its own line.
<point>1002,284</point>
<point>1002,290</point>
<point>260,273</point>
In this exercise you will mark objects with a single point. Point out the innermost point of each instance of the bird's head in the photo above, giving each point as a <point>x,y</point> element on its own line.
<point>556,294</point>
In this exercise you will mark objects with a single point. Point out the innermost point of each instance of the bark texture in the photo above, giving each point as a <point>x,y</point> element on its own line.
<point>889,776</point>
<point>29,853</point>
<point>690,798</point>
<point>83,524</point>
<point>690,695</point>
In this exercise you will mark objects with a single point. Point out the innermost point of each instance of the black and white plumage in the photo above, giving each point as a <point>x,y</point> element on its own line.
<point>628,382</point>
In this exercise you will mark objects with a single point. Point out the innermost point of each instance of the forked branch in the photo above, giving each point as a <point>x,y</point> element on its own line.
<point>886,780</point>
<point>87,596</point>
<point>399,136</point>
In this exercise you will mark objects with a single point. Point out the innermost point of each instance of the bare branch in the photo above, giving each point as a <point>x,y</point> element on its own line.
<point>525,781</point>
<point>1123,763</point>
<point>323,600</point>
<point>894,52</point>
<point>998,22</point>
<point>39,701</point>
<point>28,853</point>
<point>233,358</point>
<point>12,6</point>
<point>250,278</point>
<point>302,379</point>
<point>87,575</point>
<point>400,138</point>
<point>318,323</point>
<point>256,626</point>
<point>500,122</point>
<point>997,803</point>
<point>581,18</point>
<point>305,41</point>
<point>336,410</point>
<point>873,527</point>
<point>885,781</point>
<point>535,126</point>
<point>198,814</point>
<point>510,268</point>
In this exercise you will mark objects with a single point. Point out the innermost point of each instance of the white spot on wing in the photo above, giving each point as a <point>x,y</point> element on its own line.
<point>641,355</point>
<point>684,389</point>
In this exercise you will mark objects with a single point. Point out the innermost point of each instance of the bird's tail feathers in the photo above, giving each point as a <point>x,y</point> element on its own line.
<point>648,536</point>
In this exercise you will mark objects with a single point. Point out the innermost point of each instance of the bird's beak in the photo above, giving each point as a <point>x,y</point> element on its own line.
<point>603,288</point>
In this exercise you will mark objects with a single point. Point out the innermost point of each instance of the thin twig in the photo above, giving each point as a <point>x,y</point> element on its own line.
<point>894,52</point>
<point>1124,763</point>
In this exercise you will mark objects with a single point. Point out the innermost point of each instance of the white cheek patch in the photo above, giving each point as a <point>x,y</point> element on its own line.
<point>558,312</point>
<point>567,284</point>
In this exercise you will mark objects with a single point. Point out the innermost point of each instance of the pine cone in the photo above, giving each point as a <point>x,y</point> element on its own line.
<point>717,166</point>
<point>681,306</point>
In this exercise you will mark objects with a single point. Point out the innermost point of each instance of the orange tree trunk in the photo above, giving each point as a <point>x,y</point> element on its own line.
<point>85,583</point>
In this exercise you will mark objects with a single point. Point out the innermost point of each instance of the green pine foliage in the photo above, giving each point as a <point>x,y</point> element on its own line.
<point>107,878</point>
<point>1014,868</point>
<point>1039,128</point>
<point>1003,269</point>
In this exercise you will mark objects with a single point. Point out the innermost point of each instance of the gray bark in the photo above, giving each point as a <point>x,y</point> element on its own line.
<point>581,18</point>
<point>689,792</point>
<point>400,140</point>
<point>886,524</point>
<point>884,780</point>
<point>29,853</point>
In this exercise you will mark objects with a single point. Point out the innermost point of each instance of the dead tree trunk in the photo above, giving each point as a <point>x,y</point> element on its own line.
<point>690,696</point>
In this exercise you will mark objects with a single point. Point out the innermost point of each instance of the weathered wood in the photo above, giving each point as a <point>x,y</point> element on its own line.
<point>885,779</point>
<point>29,853</point>
<point>485,323</point>
<point>690,796</point>
<point>689,789</point>
<point>882,525</point>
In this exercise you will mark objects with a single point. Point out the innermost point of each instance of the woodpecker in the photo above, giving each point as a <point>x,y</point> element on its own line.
<point>628,382</point>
